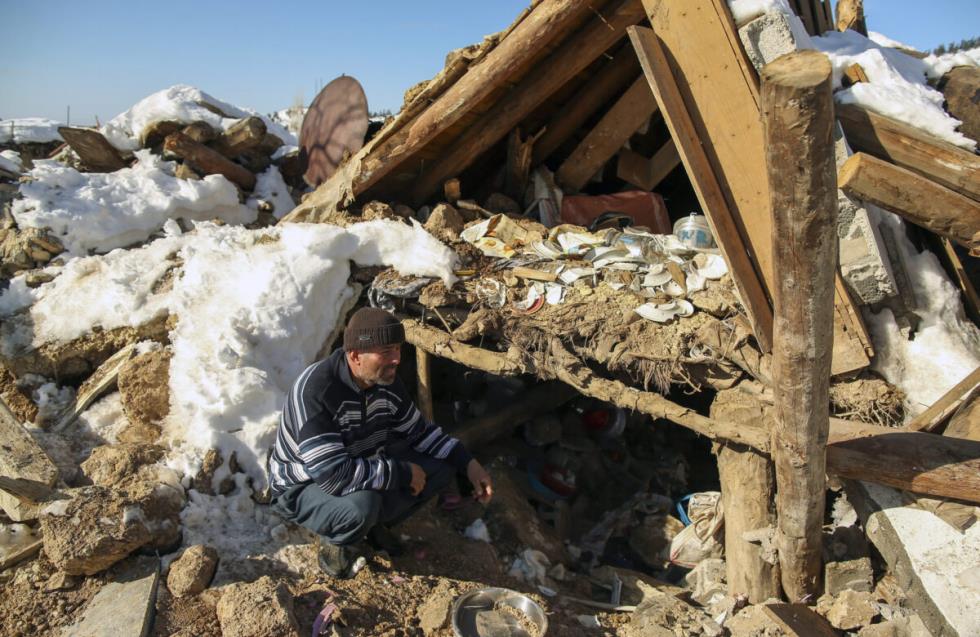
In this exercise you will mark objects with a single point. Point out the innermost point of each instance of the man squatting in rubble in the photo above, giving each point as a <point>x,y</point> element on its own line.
<point>353,454</point>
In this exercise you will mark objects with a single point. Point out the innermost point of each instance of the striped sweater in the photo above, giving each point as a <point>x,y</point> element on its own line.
<point>333,433</point>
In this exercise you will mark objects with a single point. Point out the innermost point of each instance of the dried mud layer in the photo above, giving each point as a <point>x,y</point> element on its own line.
<point>390,597</point>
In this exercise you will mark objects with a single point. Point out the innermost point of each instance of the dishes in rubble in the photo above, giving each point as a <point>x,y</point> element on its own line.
<point>694,232</point>
<point>486,612</point>
<point>664,312</point>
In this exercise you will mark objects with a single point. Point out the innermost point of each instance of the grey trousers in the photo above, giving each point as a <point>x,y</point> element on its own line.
<point>348,518</point>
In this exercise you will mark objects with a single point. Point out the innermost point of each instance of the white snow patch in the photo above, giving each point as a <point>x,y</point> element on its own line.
<point>896,85</point>
<point>184,104</point>
<point>269,186</point>
<point>29,130</point>
<point>52,400</point>
<point>103,421</point>
<point>10,161</point>
<point>946,345</point>
<point>103,211</point>
<point>938,66</point>
<point>409,249</point>
<point>883,40</point>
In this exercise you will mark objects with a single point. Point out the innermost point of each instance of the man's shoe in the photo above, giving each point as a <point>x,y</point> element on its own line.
<point>381,538</point>
<point>335,560</point>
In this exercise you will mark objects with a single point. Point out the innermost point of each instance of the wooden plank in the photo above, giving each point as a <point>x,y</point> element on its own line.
<point>628,114</point>
<point>939,411</point>
<point>547,22</point>
<point>647,173</point>
<point>572,57</point>
<point>917,199</point>
<point>850,15</point>
<point>25,470</point>
<point>798,111</point>
<point>720,95</point>
<point>910,148</point>
<point>18,553</point>
<point>971,300</point>
<point>207,161</point>
<point>705,181</point>
<point>799,620</point>
<point>95,151</point>
<point>598,90</point>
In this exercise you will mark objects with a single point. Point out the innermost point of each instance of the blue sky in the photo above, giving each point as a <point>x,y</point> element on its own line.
<point>102,56</point>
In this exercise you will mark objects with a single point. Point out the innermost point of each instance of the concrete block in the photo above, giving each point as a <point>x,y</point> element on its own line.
<point>855,575</point>
<point>767,37</point>
<point>124,606</point>
<point>852,610</point>
<point>936,565</point>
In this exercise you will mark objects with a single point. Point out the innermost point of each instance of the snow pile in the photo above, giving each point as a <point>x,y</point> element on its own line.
<point>10,161</point>
<point>270,187</point>
<point>103,211</point>
<point>896,85</point>
<point>946,346</point>
<point>29,130</point>
<point>184,104</point>
<point>940,65</point>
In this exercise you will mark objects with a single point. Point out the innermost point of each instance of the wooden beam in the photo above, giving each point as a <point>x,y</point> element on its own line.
<point>25,470</point>
<point>598,90</point>
<point>917,199</point>
<point>423,365</point>
<point>799,120</point>
<point>937,413</point>
<point>971,300</point>
<point>540,399</point>
<point>648,173</point>
<point>705,181</point>
<point>908,147</point>
<point>207,161</point>
<point>572,57</point>
<point>243,135</point>
<point>547,23</point>
<point>628,114</point>
<point>95,151</point>
<point>850,15</point>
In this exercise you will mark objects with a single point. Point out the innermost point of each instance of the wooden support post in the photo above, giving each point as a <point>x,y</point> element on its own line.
<point>208,161</point>
<point>850,15</point>
<point>747,488</point>
<point>908,147</point>
<point>799,119</point>
<point>611,79</point>
<point>423,363</point>
<point>628,114</point>
<point>648,173</point>
<point>95,151</point>
<point>573,56</point>
<point>917,199</point>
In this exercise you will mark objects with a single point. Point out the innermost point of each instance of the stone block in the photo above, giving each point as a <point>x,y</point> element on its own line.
<point>767,37</point>
<point>855,575</point>
<point>852,610</point>
<point>124,606</point>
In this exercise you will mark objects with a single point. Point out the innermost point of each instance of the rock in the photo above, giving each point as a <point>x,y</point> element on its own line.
<point>855,575</point>
<point>110,464</point>
<point>884,629</point>
<point>852,609</point>
<point>403,211</point>
<point>61,581</point>
<point>444,223</point>
<point>144,387</point>
<point>767,37</point>
<point>706,580</point>
<point>377,210</point>
<point>203,482</point>
<point>961,88</point>
<point>25,249</point>
<point>123,606</point>
<point>501,203</point>
<point>435,294</point>
<point>663,615</point>
<point>93,530</point>
<point>192,571</point>
<point>434,613</point>
<point>160,497</point>
<point>753,621</point>
<point>257,609</point>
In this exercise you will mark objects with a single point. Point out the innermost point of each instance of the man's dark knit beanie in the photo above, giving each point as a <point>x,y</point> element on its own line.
<point>372,327</point>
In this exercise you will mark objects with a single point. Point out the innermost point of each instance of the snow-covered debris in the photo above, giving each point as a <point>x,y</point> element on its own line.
<point>940,65</point>
<point>104,211</point>
<point>385,242</point>
<point>25,130</point>
<point>11,162</point>
<point>184,104</point>
<point>896,85</point>
<point>270,187</point>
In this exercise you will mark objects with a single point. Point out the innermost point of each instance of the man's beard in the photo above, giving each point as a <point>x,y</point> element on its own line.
<point>386,376</point>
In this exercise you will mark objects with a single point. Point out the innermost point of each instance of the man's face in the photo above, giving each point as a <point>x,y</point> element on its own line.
<point>375,366</point>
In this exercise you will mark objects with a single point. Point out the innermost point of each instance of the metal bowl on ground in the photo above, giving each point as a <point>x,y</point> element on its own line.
<point>472,609</point>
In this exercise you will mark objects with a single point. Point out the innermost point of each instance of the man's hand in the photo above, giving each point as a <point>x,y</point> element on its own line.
<point>418,479</point>
<point>480,479</point>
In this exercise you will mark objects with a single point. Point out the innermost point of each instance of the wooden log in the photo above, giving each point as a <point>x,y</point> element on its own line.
<point>598,90</point>
<point>961,88</point>
<point>518,166</point>
<point>799,121</point>
<point>854,74</point>
<point>648,173</point>
<point>25,470</point>
<point>95,151</point>
<point>631,111</point>
<point>908,147</point>
<point>573,56</point>
<point>917,199</point>
<point>747,488</point>
<point>850,15</point>
<point>937,413</point>
<point>443,345</point>
<point>245,134</point>
<point>547,22</point>
<point>207,161</point>
<point>103,380</point>
<point>423,366</point>
<point>200,132</point>
<point>965,423</point>
<point>540,399</point>
<point>716,206</point>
